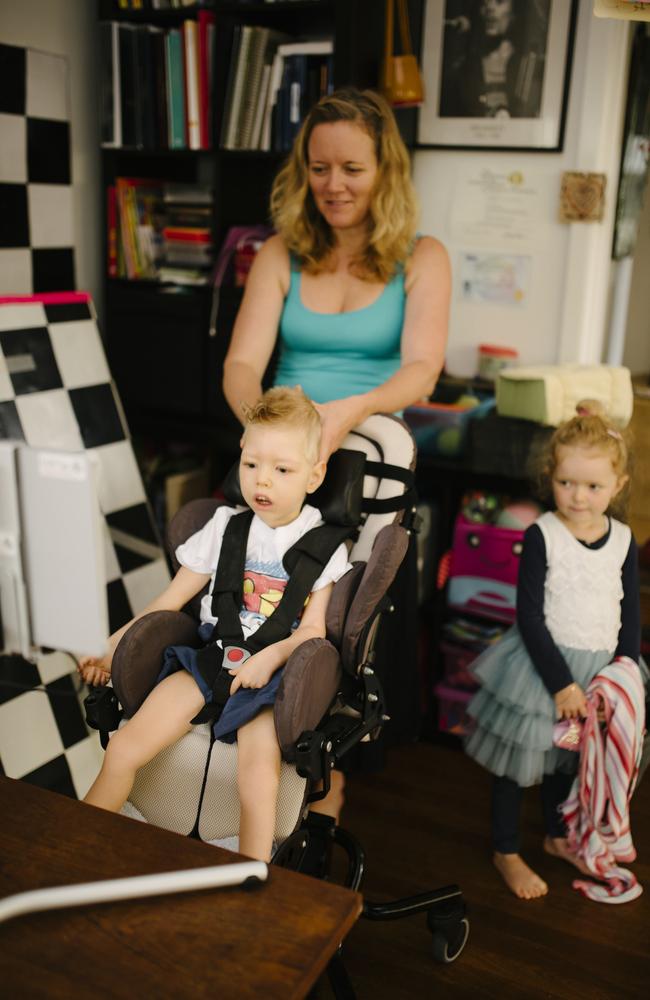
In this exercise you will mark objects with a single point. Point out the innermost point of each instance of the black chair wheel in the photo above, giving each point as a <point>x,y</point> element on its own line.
<point>449,942</point>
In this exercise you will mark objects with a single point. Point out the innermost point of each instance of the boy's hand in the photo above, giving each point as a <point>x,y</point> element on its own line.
<point>570,702</point>
<point>95,670</point>
<point>255,672</point>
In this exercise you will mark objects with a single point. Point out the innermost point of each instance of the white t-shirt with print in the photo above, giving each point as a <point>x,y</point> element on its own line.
<point>264,576</point>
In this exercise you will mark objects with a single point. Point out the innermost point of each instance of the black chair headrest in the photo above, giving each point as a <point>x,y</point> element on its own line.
<point>339,496</point>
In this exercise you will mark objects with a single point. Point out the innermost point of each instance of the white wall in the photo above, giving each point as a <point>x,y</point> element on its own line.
<point>564,317</point>
<point>69,28</point>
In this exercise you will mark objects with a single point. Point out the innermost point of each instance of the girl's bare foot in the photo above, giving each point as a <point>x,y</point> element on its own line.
<point>519,878</point>
<point>558,847</point>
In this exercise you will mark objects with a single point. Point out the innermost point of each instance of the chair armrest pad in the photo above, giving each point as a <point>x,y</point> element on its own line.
<point>309,684</point>
<point>138,657</point>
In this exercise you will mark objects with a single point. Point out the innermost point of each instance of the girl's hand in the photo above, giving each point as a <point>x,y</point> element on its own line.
<point>338,418</point>
<point>95,670</point>
<point>570,702</point>
<point>255,672</point>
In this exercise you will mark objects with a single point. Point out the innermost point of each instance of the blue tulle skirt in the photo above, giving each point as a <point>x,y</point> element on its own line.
<point>240,708</point>
<point>513,714</point>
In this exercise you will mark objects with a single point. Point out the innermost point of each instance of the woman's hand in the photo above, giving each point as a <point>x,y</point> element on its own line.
<point>570,702</point>
<point>256,671</point>
<point>95,670</point>
<point>338,418</point>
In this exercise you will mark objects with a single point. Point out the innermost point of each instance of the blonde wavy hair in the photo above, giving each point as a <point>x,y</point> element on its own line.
<point>590,428</point>
<point>393,206</point>
<point>289,407</point>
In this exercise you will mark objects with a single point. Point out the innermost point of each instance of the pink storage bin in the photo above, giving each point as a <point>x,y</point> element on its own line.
<point>452,709</point>
<point>456,665</point>
<point>484,569</point>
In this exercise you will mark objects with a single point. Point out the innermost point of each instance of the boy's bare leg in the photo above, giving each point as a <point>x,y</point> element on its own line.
<point>520,879</point>
<point>258,779</point>
<point>333,802</point>
<point>162,719</point>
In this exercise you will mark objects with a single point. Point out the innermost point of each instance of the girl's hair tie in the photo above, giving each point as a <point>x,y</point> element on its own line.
<point>614,434</point>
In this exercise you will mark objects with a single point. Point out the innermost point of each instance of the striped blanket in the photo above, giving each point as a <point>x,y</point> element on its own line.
<point>596,812</point>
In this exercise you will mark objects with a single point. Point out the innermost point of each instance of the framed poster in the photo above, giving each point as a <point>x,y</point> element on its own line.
<point>496,73</point>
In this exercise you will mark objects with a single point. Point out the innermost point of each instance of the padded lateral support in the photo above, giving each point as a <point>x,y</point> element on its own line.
<point>340,601</point>
<point>309,684</point>
<point>138,657</point>
<point>385,559</point>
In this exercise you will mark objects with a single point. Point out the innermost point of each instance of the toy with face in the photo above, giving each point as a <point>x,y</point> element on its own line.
<point>484,569</point>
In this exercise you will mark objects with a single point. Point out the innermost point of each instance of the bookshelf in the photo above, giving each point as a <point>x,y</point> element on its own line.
<point>166,365</point>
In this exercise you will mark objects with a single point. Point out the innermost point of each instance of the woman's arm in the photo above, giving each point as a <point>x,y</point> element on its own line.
<point>424,339</point>
<point>185,585</point>
<point>256,327</point>
<point>258,670</point>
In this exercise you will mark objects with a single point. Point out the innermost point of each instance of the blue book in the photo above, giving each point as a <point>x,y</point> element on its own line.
<point>175,90</point>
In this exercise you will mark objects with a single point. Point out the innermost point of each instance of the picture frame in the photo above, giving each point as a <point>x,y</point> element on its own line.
<point>496,74</point>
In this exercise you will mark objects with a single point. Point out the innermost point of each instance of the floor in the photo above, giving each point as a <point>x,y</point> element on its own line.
<point>423,823</point>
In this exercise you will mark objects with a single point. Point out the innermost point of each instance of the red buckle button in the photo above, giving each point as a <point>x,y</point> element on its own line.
<point>235,654</point>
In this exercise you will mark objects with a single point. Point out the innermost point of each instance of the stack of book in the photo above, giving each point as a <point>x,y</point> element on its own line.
<point>135,224</point>
<point>157,85</point>
<point>272,83</point>
<point>161,232</point>
<point>188,250</point>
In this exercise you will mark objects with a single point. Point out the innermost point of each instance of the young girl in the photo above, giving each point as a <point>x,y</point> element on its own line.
<point>279,465</point>
<point>577,608</point>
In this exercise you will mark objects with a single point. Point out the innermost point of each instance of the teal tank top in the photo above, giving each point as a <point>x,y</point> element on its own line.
<point>333,355</point>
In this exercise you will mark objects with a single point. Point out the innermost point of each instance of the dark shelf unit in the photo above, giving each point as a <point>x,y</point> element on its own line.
<point>166,365</point>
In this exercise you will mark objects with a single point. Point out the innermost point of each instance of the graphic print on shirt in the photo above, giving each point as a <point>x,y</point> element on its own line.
<point>263,588</point>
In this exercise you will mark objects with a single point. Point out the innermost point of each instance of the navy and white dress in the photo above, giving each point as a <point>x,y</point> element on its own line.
<point>264,581</point>
<point>577,607</point>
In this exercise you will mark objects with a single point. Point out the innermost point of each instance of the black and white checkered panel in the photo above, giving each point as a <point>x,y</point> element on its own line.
<point>56,392</point>
<point>36,233</point>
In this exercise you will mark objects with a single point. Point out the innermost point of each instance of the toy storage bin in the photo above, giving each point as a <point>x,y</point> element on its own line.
<point>484,569</point>
<point>456,665</point>
<point>441,428</point>
<point>452,709</point>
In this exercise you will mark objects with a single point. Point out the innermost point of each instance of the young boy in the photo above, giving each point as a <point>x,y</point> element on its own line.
<point>278,467</point>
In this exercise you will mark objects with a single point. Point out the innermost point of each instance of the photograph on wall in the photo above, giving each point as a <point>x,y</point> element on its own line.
<point>496,73</point>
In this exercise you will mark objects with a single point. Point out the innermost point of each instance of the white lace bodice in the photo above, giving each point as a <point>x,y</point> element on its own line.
<point>591,575</point>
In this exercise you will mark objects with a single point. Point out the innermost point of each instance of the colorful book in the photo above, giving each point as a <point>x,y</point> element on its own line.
<point>175,90</point>
<point>191,64</point>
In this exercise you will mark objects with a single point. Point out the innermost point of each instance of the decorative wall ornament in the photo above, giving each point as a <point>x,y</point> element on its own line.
<point>582,197</point>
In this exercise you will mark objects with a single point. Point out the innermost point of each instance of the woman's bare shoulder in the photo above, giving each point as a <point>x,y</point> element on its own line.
<point>273,261</point>
<point>429,254</point>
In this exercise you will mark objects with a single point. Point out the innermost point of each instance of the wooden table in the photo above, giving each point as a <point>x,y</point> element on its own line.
<point>273,940</point>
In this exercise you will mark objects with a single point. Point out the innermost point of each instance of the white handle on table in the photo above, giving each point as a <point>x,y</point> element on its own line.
<point>135,887</point>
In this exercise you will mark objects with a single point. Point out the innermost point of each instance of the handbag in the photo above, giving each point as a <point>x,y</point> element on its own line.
<point>567,734</point>
<point>401,81</point>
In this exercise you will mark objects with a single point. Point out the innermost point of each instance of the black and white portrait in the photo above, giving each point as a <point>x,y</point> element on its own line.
<point>493,58</point>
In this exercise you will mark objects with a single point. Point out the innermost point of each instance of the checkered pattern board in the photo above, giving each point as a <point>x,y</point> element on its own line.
<point>56,392</point>
<point>36,237</point>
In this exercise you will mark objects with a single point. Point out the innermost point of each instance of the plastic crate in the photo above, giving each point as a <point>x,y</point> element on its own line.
<point>484,569</point>
<point>441,428</point>
<point>452,709</point>
<point>456,669</point>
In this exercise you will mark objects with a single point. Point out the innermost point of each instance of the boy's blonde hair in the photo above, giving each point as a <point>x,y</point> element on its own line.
<point>591,428</point>
<point>287,406</point>
<point>393,206</point>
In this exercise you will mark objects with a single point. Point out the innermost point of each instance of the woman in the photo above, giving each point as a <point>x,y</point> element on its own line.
<point>358,301</point>
<point>360,304</point>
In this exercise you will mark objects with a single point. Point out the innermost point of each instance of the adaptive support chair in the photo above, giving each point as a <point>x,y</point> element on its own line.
<point>329,699</point>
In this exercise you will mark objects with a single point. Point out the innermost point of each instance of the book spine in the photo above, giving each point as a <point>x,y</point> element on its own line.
<point>192,84</point>
<point>111,232</point>
<point>206,42</point>
<point>176,90</point>
<point>238,87</point>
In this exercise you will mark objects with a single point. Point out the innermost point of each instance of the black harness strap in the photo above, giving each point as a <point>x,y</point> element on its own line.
<point>387,505</point>
<point>304,562</point>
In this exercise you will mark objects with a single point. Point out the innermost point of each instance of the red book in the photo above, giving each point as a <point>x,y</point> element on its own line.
<point>187,235</point>
<point>206,40</point>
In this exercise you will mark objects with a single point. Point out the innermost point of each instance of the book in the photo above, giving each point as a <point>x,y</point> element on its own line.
<point>273,113</point>
<point>111,100</point>
<point>111,232</point>
<point>175,90</point>
<point>235,93</point>
<point>206,41</point>
<point>191,64</point>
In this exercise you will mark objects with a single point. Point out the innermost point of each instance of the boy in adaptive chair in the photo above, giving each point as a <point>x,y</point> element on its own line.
<point>234,678</point>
